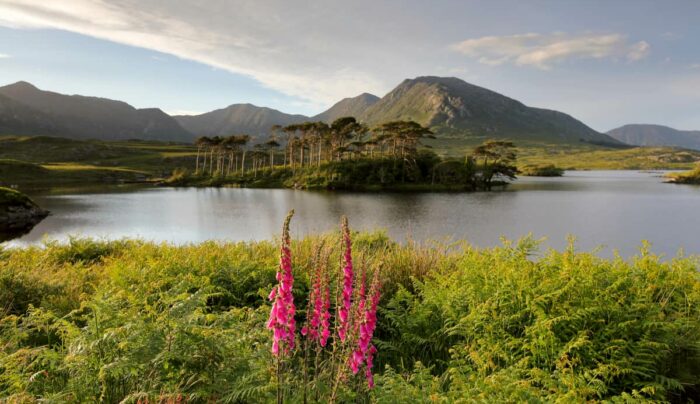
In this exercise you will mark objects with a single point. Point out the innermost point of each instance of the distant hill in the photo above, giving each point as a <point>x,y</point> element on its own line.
<point>17,118</point>
<point>656,135</point>
<point>237,118</point>
<point>454,106</point>
<point>25,109</point>
<point>355,106</point>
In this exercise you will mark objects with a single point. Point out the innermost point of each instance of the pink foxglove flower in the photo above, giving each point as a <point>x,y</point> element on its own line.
<point>364,352</point>
<point>368,368</point>
<point>281,320</point>
<point>346,298</point>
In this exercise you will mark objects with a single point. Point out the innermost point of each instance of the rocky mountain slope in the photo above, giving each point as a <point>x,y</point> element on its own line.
<point>454,106</point>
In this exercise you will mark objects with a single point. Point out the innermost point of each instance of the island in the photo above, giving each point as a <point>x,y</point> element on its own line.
<point>18,213</point>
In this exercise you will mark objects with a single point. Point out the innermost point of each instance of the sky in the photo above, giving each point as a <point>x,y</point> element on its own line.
<point>607,63</point>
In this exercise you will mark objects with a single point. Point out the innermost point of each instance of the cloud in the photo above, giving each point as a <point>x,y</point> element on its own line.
<point>543,51</point>
<point>671,36</point>
<point>4,56</point>
<point>282,46</point>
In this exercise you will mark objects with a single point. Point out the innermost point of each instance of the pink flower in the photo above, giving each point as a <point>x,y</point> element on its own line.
<point>370,363</point>
<point>325,314</point>
<point>346,299</point>
<point>281,320</point>
<point>364,352</point>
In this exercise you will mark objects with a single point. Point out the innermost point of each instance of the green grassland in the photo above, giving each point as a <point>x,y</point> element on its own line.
<point>579,157</point>
<point>132,321</point>
<point>47,162</point>
<point>36,162</point>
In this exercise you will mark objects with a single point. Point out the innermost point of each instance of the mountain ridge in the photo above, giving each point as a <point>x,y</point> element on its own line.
<point>86,117</point>
<point>237,118</point>
<point>351,106</point>
<point>656,135</point>
<point>454,105</point>
<point>449,105</point>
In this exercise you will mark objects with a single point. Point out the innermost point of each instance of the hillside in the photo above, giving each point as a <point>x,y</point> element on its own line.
<point>25,109</point>
<point>455,107</point>
<point>237,118</point>
<point>656,135</point>
<point>354,106</point>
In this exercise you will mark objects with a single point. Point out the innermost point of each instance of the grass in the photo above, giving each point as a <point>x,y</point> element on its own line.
<point>597,158</point>
<point>11,197</point>
<point>549,170</point>
<point>124,321</point>
<point>47,162</point>
<point>41,162</point>
<point>688,177</point>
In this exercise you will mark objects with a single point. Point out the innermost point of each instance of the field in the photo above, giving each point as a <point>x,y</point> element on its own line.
<point>46,162</point>
<point>40,162</point>
<point>131,321</point>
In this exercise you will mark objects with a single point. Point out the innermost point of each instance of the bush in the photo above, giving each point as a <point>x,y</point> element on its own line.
<point>133,320</point>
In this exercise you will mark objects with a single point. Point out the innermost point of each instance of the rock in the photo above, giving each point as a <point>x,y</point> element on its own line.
<point>18,213</point>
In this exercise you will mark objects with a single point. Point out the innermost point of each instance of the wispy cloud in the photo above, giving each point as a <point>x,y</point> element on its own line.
<point>4,56</point>
<point>543,51</point>
<point>671,36</point>
<point>249,38</point>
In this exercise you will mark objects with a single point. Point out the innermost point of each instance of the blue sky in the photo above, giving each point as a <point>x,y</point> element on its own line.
<point>607,63</point>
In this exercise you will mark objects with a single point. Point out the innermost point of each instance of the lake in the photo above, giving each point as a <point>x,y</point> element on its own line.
<point>607,209</point>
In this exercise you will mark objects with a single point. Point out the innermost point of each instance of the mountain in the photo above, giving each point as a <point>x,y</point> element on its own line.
<point>355,106</point>
<point>16,118</point>
<point>237,118</point>
<point>453,106</point>
<point>656,135</point>
<point>25,109</point>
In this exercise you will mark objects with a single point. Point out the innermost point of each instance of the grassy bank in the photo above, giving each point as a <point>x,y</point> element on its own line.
<point>687,177</point>
<point>130,320</point>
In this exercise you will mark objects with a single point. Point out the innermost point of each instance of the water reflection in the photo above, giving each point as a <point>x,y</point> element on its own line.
<point>613,209</point>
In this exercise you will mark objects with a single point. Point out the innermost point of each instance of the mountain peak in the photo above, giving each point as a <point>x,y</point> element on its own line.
<point>351,106</point>
<point>451,105</point>
<point>20,85</point>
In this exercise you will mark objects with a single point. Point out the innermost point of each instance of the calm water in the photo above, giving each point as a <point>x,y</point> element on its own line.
<point>611,209</point>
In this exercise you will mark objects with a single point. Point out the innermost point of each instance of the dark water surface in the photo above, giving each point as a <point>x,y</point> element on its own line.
<point>612,209</point>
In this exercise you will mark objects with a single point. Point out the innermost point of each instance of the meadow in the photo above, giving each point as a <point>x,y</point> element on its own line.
<point>49,163</point>
<point>133,321</point>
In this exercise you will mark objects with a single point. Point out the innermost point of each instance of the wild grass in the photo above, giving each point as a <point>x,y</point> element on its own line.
<point>687,177</point>
<point>129,320</point>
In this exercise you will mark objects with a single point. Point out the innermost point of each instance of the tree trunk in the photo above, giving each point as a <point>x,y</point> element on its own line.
<point>196,163</point>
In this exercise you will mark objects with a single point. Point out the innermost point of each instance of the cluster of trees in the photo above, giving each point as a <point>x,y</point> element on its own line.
<point>226,155</point>
<point>390,153</point>
<point>310,144</point>
<point>489,164</point>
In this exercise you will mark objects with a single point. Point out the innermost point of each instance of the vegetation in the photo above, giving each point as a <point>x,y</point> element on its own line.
<point>48,162</point>
<point>689,177</point>
<point>599,158</point>
<point>132,321</point>
<point>549,170</point>
<point>347,155</point>
<point>42,161</point>
<point>11,197</point>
